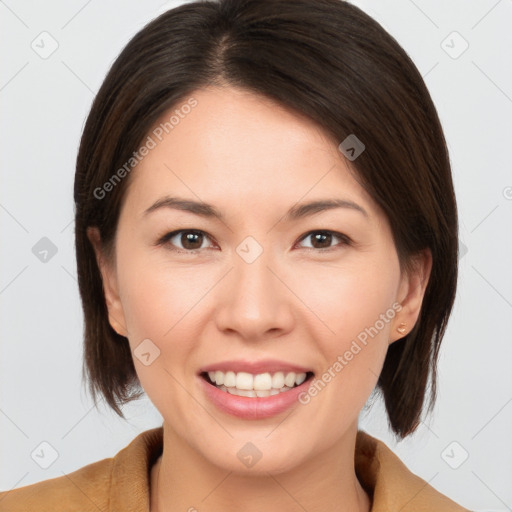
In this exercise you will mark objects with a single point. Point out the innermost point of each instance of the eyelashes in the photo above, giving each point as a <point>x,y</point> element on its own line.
<point>195,236</point>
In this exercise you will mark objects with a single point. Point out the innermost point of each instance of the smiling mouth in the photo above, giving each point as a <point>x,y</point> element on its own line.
<point>255,386</point>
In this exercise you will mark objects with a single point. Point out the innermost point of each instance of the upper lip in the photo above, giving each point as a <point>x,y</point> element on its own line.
<point>255,367</point>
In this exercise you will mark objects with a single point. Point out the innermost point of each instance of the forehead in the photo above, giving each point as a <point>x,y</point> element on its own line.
<point>239,147</point>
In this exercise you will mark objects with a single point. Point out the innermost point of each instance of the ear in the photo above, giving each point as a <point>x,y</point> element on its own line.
<point>413,284</point>
<point>110,287</point>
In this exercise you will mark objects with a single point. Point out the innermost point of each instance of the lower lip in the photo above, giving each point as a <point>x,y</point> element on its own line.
<point>253,408</point>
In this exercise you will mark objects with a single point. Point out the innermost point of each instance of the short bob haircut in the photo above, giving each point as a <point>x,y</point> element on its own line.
<point>326,59</point>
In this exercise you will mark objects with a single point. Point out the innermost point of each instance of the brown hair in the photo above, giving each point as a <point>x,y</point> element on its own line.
<point>326,59</point>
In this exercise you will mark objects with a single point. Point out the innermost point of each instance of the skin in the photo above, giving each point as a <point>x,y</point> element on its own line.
<point>254,159</point>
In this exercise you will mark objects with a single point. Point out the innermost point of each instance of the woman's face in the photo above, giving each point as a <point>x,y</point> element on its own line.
<point>267,286</point>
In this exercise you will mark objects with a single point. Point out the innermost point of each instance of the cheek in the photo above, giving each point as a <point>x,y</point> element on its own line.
<point>157,298</point>
<point>347,299</point>
<point>161,304</point>
<point>354,309</point>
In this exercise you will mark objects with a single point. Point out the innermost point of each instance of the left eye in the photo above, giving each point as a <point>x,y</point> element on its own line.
<point>324,238</point>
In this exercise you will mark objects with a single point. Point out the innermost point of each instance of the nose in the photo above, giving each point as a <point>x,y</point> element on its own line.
<point>254,300</point>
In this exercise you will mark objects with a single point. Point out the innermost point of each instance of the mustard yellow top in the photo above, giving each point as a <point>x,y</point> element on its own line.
<point>121,483</point>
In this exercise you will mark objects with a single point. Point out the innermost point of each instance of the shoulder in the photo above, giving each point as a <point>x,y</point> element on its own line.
<point>391,484</point>
<point>82,490</point>
<point>116,483</point>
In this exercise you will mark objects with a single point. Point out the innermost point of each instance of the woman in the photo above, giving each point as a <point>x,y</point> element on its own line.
<point>266,231</point>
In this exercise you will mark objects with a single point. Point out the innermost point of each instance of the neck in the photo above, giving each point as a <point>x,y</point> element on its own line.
<point>182,479</point>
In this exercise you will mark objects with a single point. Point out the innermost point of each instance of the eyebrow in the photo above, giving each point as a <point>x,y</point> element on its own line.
<point>294,213</point>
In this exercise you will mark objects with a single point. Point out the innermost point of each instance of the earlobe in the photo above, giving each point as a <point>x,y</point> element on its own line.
<point>411,293</point>
<point>110,288</point>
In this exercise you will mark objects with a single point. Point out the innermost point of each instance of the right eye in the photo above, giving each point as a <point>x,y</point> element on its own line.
<point>191,240</point>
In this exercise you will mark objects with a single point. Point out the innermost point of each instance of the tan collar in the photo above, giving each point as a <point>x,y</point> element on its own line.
<point>391,485</point>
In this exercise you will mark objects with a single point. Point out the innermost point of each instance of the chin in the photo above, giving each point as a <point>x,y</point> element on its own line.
<point>256,455</point>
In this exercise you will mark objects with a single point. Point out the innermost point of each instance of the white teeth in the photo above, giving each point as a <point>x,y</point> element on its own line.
<point>260,385</point>
<point>238,392</point>
<point>229,379</point>
<point>244,381</point>
<point>290,380</point>
<point>278,380</point>
<point>300,378</point>
<point>218,378</point>
<point>245,392</point>
<point>252,393</point>
<point>263,382</point>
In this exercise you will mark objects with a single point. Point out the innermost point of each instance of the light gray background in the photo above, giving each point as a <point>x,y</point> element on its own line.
<point>44,103</point>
